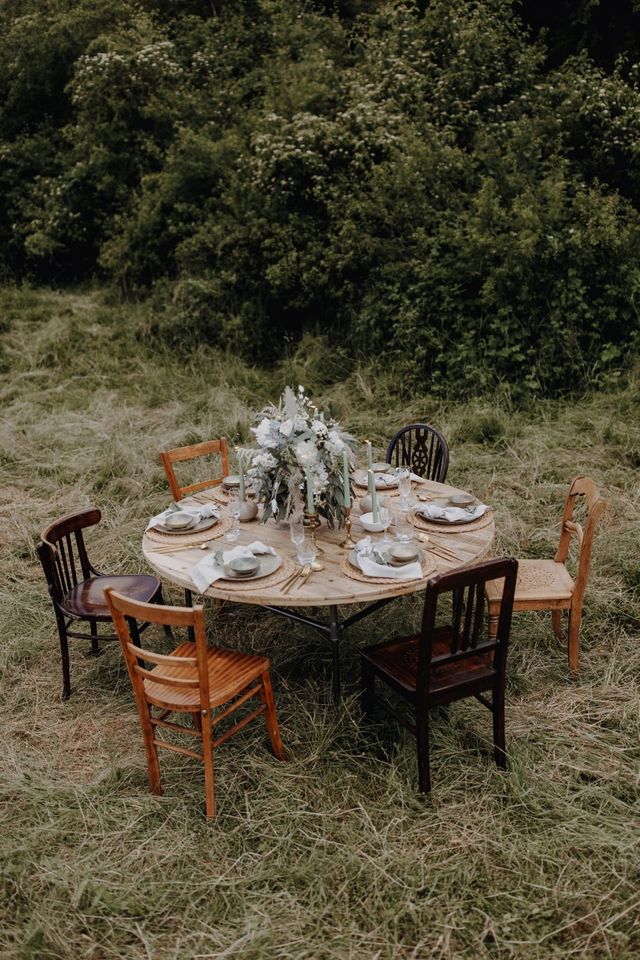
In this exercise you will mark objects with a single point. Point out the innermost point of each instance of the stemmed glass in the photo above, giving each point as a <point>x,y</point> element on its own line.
<point>386,541</point>
<point>404,486</point>
<point>234,512</point>
<point>296,532</point>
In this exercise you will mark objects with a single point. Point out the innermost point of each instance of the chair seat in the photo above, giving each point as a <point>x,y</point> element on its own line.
<point>538,580</point>
<point>398,659</point>
<point>87,599</point>
<point>229,673</point>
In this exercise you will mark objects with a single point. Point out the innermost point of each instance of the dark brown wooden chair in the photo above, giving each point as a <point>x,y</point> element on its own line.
<point>423,449</point>
<point>547,584</point>
<point>447,662</point>
<point>179,454</point>
<point>194,679</point>
<point>77,589</point>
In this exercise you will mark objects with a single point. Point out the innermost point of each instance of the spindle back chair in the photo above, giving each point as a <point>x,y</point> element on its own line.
<point>423,449</point>
<point>450,661</point>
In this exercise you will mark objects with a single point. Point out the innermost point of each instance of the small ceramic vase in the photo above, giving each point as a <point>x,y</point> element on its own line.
<point>365,504</point>
<point>248,510</point>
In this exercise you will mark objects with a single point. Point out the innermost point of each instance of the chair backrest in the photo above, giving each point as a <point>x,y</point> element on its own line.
<point>596,506</point>
<point>423,449</point>
<point>466,634</point>
<point>206,449</point>
<point>63,554</point>
<point>187,672</point>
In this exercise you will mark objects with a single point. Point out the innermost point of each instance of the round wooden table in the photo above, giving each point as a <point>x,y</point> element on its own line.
<point>326,588</point>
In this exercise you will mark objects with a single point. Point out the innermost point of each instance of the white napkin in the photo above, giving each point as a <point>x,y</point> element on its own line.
<point>371,568</point>
<point>207,571</point>
<point>434,512</point>
<point>384,480</point>
<point>201,512</point>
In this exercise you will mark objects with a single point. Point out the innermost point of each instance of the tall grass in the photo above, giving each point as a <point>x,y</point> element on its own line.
<point>332,854</point>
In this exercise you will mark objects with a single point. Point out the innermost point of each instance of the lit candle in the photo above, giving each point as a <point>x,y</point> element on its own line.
<point>310,503</point>
<point>345,476</point>
<point>241,469</point>
<point>374,498</point>
<point>369,456</point>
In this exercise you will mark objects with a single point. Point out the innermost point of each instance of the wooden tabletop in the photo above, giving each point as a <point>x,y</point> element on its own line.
<point>328,586</point>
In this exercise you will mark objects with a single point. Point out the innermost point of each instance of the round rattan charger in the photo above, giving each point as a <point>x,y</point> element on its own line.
<point>429,566</point>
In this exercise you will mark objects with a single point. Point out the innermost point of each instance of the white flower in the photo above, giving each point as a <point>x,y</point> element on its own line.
<point>334,443</point>
<point>265,432</point>
<point>300,388</point>
<point>264,461</point>
<point>319,428</point>
<point>286,428</point>
<point>306,453</point>
<point>299,423</point>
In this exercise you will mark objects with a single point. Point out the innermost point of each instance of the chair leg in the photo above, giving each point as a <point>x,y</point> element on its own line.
<point>95,646</point>
<point>422,742</point>
<point>499,745</point>
<point>273,729</point>
<point>367,698</point>
<point>494,617</point>
<point>575,617</point>
<point>556,619</point>
<point>188,599</point>
<point>207,756</point>
<point>197,720</point>
<point>150,749</point>
<point>159,599</point>
<point>64,654</point>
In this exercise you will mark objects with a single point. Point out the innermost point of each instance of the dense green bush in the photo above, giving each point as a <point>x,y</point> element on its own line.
<point>427,183</point>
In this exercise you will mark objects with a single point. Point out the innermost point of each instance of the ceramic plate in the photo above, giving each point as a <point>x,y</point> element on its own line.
<point>360,477</point>
<point>268,564</point>
<point>450,523</point>
<point>205,524</point>
<point>353,560</point>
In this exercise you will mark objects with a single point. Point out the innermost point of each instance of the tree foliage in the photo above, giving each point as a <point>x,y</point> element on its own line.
<point>432,183</point>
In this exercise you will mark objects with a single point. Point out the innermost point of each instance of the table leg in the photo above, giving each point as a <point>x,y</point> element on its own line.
<point>188,599</point>
<point>335,628</point>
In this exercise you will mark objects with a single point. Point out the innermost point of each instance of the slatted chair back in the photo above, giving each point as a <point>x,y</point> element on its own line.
<point>218,448</point>
<point>63,554</point>
<point>187,672</point>
<point>423,449</point>
<point>466,634</point>
<point>595,507</point>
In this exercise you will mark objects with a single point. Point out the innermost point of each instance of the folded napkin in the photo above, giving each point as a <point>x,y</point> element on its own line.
<point>208,570</point>
<point>200,512</point>
<point>384,480</point>
<point>431,511</point>
<point>371,568</point>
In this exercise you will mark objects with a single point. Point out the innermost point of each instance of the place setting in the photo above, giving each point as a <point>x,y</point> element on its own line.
<point>457,513</point>
<point>241,565</point>
<point>371,562</point>
<point>176,527</point>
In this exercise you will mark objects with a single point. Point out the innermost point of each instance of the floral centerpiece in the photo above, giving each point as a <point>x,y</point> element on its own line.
<point>300,445</point>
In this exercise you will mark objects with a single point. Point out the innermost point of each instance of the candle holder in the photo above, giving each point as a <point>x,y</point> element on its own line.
<point>312,521</point>
<point>348,543</point>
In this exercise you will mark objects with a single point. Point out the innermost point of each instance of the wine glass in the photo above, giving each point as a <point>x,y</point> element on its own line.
<point>385,515</point>
<point>404,485</point>
<point>296,531</point>
<point>234,513</point>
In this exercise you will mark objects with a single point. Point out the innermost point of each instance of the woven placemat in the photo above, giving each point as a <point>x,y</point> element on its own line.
<point>285,570</point>
<point>355,573</point>
<point>359,491</point>
<point>447,529</point>
<point>213,533</point>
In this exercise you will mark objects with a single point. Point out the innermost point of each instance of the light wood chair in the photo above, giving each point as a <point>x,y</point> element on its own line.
<point>178,454</point>
<point>547,584</point>
<point>447,661</point>
<point>193,679</point>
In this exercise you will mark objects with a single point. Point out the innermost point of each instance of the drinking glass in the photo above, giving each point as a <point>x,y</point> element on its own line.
<point>306,553</point>
<point>296,531</point>
<point>234,513</point>
<point>404,526</point>
<point>404,485</point>
<point>385,515</point>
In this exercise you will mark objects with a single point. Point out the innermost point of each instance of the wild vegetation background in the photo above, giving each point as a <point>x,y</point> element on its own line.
<point>452,184</point>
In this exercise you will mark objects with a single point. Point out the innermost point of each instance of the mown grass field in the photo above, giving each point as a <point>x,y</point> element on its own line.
<point>332,854</point>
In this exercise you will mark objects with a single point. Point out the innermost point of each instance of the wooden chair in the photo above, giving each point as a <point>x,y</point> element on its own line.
<point>423,449</point>
<point>77,589</point>
<point>193,679</point>
<point>547,584</point>
<point>444,663</point>
<point>178,454</point>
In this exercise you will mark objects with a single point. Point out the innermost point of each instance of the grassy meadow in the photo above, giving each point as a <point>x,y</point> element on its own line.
<point>331,855</point>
